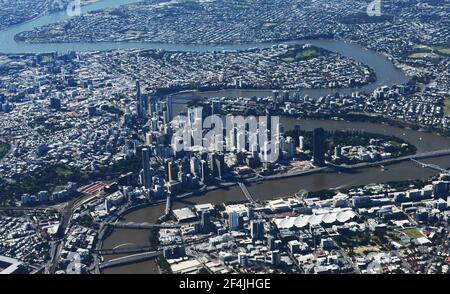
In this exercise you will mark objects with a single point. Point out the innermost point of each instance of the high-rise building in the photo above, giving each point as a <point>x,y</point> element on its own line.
<point>92,110</point>
<point>205,222</point>
<point>271,243</point>
<point>170,108</point>
<point>257,229</point>
<point>319,147</point>
<point>55,103</point>
<point>276,96</point>
<point>142,102</point>
<point>147,176</point>
<point>172,171</point>
<point>243,259</point>
<point>289,146</point>
<point>204,169</point>
<point>338,151</point>
<point>301,143</point>
<point>250,213</point>
<point>275,257</point>
<point>234,221</point>
<point>216,107</point>
<point>285,96</point>
<point>218,164</point>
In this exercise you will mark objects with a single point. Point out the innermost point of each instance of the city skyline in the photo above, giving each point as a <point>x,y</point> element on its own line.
<point>224,137</point>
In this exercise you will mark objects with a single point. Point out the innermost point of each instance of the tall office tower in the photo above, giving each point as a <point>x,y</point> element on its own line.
<point>319,147</point>
<point>290,147</point>
<point>205,221</point>
<point>275,257</point>
<point>169,171</point>
<point>147,176</point>
<point>338,151</point>
<point>218,163</point>
<point>234,221</point>
<point>243,259</point>
<point>285,96</point>
<point>271,242</point>
<point>142,102</point>
<point>169,108</point>
<point>216,107</point>
<point>55,103</point>
<point>138,98</point>
<point>185,165</point>
<point>240,141</point>
<point>250,213</point>
<point>204,169</point>
<point>195,166</point>
<point>257,229</point>
<point>151,106</point>
<point>138,90</point>
<point>301,143</point>
<point>276,96</point>
<point>172,171</point>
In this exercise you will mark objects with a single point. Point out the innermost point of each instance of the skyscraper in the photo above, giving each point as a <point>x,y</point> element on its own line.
<point>169,108</point>
<point>250,213</point>
<point>55,103</point>
<point>147,177</point>
<point>204,169</point>
<point>301,143</point>
<point>142,102</point>
<point>234,221</point>
<point>319,147</point>
<point>205,222</point>
<point>275,257</point>
<point>257,229</point>
<point>243,259</point>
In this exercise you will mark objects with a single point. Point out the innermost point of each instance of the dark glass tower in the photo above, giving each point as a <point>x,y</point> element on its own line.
<point>319,147</point>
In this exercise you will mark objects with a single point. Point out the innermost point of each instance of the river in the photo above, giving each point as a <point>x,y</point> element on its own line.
<point>387,73</point>
<point>266,190</point>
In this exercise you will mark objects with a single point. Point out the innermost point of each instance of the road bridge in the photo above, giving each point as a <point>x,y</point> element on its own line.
<point>146,226</point>
<point>130,259</point>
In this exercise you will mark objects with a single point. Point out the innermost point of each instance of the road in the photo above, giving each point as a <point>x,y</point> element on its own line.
<point>145,226</point>
<point>130,259</point>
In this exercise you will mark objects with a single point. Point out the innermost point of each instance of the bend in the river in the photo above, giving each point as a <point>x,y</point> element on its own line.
<point>386,72</point>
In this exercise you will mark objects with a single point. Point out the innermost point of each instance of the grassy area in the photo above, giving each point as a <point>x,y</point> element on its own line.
<point>300,53</point>
<point>4,148</point>
<point>444,51</point>
<point>422,55</point>
<point>413,233</point>
<point>422,47</point>
<point>447,106</point>
<point>306,53</point>
<point>362,250</point>
<point>288,59</point>
<point>63,172</point>
<point>59,188</point>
